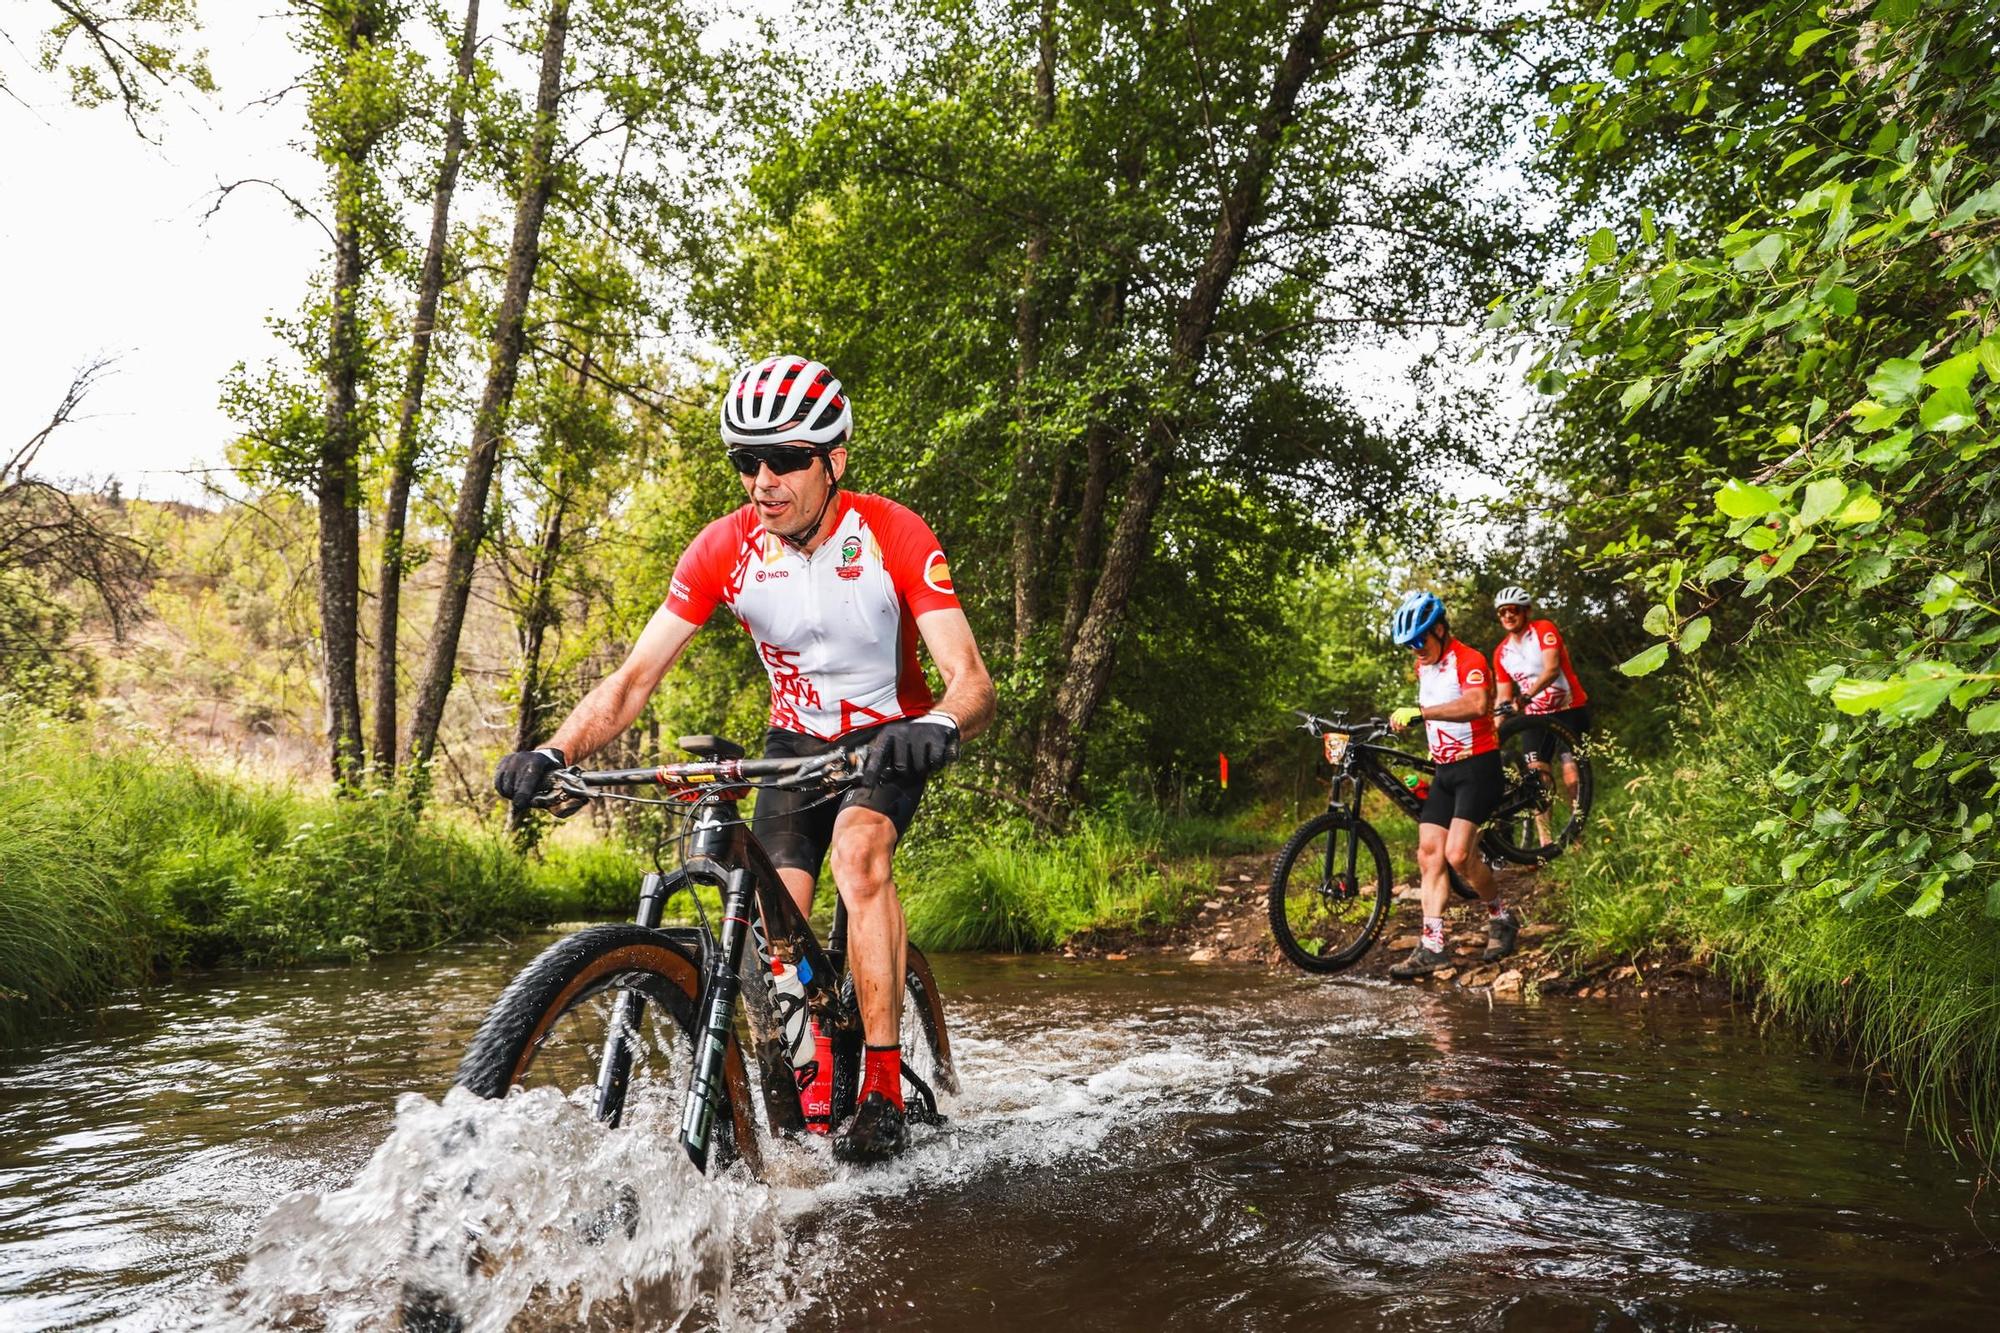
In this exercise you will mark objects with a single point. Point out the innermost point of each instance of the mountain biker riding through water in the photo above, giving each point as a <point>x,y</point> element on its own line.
<point>836,588</point>
<point>1531,667</point>
<point>1455,701</point>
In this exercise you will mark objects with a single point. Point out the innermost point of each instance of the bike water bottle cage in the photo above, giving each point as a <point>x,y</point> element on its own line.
<point>1415,615</point>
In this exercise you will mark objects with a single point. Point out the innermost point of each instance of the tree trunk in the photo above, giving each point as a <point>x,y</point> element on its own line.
<point>403,454</point>
<point>468,529</point>
<point>336,485</point>
<point>1028,341</point>
<point>537,616</point>
<point>1059,759</point>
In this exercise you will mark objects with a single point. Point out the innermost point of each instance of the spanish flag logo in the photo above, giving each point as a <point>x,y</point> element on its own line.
<point>937,574</point>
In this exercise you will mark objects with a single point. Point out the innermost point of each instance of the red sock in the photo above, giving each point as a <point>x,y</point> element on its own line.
<point>882,1071</point>
<point>816,1091</point>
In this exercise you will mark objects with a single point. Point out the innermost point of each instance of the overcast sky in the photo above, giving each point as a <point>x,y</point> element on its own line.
<point>105,250</point>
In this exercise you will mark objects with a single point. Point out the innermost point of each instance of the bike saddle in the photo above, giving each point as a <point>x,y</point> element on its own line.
<point>711,747</point>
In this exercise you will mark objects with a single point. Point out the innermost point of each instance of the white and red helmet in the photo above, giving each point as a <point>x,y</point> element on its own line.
<point>784,400</point>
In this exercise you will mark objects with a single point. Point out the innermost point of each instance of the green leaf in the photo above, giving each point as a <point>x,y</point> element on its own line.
<point>1740,499</point>
<point>1842,300</point>
<point>1761,538</point>
<point>1993,898</point>
<point>1736,893</point>
<point>1823,679</point>
<point>1948,410</point>
<point>1887,452</point>
<point>1645,663</point>
<point>1788,557</point>
<point>1922,207</point>
<point>1989,357</point>
<point>1861,696</point>
<point>1930,899</point>
<point>1763,255</point>
<point>1940,594</point>
<point>1871,416</point>
<point>1720,567</point>
<point>1983,720</point>
<point>1956,373</point>
<point>1805,41</point>
<point>1636,393</point>
<point>1822,498</point>
<point>1788,869</point>
<point>1928,759</point>
<point>1602,247</point>
<point>1657,618</point>
<point>1896,380</point>
<point>1861,507</point>
<point>1694,634</point>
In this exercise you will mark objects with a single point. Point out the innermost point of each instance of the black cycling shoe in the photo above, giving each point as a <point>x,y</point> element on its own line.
<point>874,1133</point>
<point>1501,932</point>
<point>1421,963</point>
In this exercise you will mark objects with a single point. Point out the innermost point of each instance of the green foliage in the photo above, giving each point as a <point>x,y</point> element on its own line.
<point>1007,888</point>
<point>117,860</point>
<point>1818,364</point>
<point>1681,859</point>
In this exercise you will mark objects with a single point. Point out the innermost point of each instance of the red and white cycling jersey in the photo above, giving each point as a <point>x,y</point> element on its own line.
<point>1459,669</point>
<point>837,628</point>
<point>1518,660</point>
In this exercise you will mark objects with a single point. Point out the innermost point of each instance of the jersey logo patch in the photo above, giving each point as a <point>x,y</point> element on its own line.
<point>1549,639</point>
<point>937,574</point>
<point>1475,677</point>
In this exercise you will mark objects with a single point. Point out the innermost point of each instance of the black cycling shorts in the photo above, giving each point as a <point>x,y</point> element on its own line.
<point>1538,741</point>
<point>796,827</point>
<point>1466,789</point>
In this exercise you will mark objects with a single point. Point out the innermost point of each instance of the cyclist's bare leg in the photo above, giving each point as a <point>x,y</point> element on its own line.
<point>1461,851</point>
<point>864,843</point>
<point>799,883</point>
<point>1434,884</point>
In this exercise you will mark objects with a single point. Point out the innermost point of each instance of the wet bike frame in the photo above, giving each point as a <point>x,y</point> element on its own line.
<point>756,909</point>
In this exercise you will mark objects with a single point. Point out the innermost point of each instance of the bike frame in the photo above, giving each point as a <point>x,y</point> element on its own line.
<point>760,923</point>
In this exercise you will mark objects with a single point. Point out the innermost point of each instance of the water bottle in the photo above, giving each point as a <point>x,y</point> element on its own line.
<point>788,1005</point>
<point>1419,785</point>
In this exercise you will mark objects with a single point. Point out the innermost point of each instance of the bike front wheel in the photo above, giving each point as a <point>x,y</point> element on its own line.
<point>555,1022</point>
<point>1330,893</point>
<point>1546,796</point>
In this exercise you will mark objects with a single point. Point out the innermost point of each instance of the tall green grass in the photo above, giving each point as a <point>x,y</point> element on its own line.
<point>1671,865</point>
<point>1010,888</point>
<point>119,859</point>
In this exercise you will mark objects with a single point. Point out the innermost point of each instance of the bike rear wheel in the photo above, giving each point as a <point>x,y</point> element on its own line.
<point>551,1027</point>
<point>1541,811</point>
<point>1330,892</point>
<point>928,1071</point>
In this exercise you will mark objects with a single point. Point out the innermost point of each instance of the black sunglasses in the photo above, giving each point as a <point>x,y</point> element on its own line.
<point>782,459</point>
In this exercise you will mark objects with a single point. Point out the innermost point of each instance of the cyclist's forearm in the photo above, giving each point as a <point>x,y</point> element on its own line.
<point>601,715</point>
<point>970,701</point>
<point>1467,706</point>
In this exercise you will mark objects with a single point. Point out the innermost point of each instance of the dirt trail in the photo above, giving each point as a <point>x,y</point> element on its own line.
<point>1233,925</point>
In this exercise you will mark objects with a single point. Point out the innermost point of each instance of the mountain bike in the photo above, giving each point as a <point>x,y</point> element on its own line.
<point>639,1022</point>
<point>1328,904</point>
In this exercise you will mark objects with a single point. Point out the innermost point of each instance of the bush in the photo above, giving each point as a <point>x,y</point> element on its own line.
<point>1007,887</point>
<point>118,860</point>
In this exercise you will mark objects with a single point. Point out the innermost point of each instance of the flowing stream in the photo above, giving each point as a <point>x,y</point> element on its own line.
<point>1139,1145</point>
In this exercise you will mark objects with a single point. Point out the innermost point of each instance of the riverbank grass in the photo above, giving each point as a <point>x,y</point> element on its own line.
<point>1671,867</point>
<point>120,860</point>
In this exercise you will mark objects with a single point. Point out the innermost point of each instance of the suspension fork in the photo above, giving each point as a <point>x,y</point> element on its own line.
<point>614,1069</point>
<point>720,989</point>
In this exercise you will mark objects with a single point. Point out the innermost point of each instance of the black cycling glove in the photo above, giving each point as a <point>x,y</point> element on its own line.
<point>913,748</point>
<point>524,775</point>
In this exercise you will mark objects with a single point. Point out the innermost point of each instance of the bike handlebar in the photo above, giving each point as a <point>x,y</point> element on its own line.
<point>693,780</point>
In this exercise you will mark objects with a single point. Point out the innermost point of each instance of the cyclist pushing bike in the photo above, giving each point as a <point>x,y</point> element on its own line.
<point>836,588</point>
<point>1455,702</point>
<point>1531,666</point>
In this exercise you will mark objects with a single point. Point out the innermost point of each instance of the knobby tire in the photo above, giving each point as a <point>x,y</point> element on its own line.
<point>1373,890</point>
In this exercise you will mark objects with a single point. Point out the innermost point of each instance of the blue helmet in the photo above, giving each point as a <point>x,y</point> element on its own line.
<point>1415,615</point>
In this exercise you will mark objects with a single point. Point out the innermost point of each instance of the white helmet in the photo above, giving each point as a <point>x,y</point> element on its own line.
<point>1512,596</point>
<point>785,399</point>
